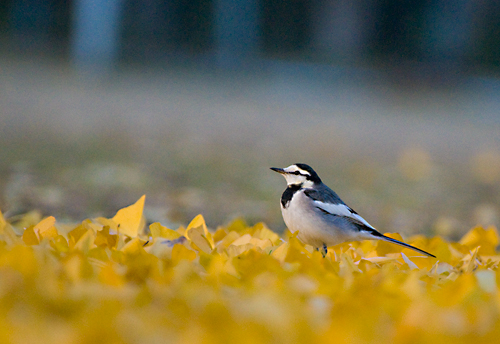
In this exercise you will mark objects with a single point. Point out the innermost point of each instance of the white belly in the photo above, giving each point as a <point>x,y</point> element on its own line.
<point>314,229</point>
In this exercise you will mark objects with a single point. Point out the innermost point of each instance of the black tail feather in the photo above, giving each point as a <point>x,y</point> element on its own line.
<point>394,241</point>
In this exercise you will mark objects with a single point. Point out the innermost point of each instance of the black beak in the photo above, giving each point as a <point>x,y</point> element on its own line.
<point>279,170</point>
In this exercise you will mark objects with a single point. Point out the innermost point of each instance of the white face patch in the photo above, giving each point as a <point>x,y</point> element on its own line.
<point>295,176</point>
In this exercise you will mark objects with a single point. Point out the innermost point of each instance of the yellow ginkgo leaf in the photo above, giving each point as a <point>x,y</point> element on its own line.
<point>130,220</point>
<point>236,250</point>
<point>256,242</point>
<point>199,222</point>
<point>30,237</point>
<point>3,223</point>
<point>471,264</point>
<point>59,244</point>
<point>76,233</point>
<point>180,252</point>
<point>408,262</point>
<point>159,231</point>
<point>109,276</point>
<point>238,225</point>
<point>219,234</point>
<point>441,249</point>
<point>104,239</point>
<point>486,279</point>
<point>86,241</point>
<point>413,286</point>
<point>348,264</point>
<point>134,246</point>
<point>104,222</point>
<point>228,240</point>
<point>46,228</point>
<point>197,237</point>
<point>242,240</point>
<point>262,232</point>
<point>486,238</point>
<point>8,233</point>
<point>280,252</point>
<point>30,218</point>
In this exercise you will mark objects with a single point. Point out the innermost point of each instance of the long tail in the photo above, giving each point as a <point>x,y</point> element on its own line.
<point>374,234</point>
<point>394,241</point>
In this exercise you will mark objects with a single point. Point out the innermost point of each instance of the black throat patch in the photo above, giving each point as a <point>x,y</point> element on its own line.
<point>287,195</point>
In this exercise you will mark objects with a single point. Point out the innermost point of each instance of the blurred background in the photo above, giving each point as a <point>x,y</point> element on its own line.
<point>396,104</point>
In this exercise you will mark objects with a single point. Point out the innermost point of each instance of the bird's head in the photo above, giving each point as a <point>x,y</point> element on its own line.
<point>299,174</point>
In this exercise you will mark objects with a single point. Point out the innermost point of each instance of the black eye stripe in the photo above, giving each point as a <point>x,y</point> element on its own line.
<point>297,173</point>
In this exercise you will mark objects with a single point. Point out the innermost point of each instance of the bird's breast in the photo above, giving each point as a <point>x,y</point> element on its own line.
<point>313,226</point>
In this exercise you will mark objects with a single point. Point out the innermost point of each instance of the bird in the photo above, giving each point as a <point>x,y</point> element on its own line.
<point>320,216</point>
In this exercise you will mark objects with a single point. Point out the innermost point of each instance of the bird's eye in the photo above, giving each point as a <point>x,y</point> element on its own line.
<point>296,173</point>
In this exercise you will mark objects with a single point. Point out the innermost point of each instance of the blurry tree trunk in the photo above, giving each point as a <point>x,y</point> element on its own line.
<point>237,31</point>
<point>96,32</point>
<point>340,27</point>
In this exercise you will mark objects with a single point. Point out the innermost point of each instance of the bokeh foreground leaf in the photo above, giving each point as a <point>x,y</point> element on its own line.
<point>104,280</point>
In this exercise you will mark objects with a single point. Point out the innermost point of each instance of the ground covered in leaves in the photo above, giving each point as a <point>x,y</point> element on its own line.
<point>118,281</point>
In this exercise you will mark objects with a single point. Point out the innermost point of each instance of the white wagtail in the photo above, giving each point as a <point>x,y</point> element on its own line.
<point>320,216</point>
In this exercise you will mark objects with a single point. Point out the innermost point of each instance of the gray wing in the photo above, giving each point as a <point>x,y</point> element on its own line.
<point>355,224</point>
<point>323,194</point>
